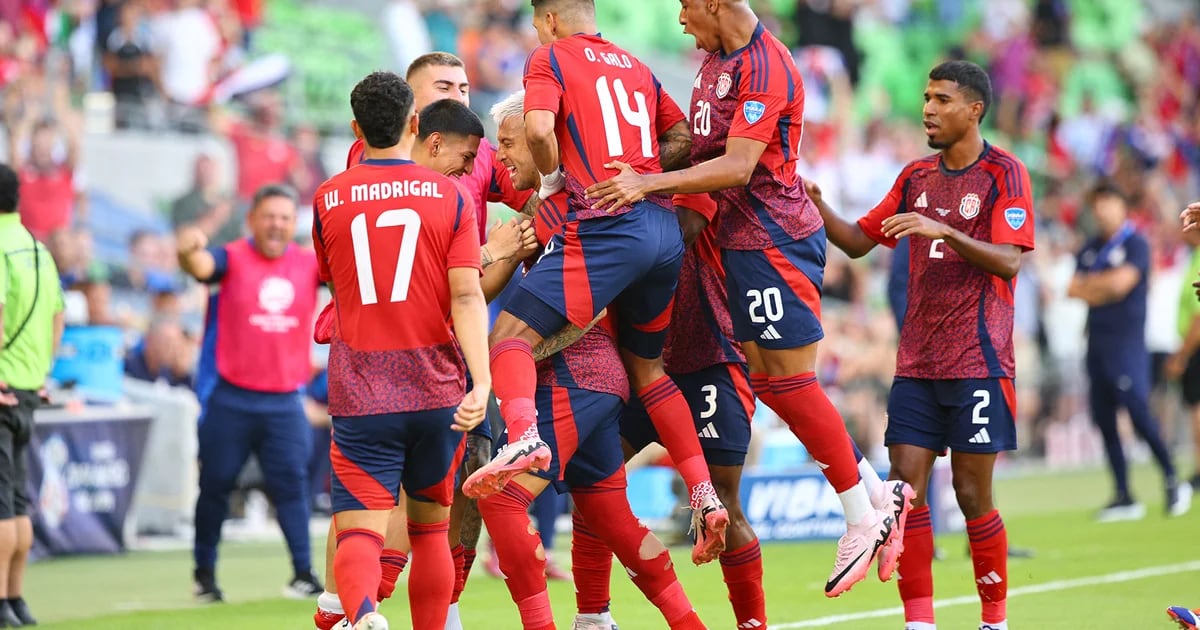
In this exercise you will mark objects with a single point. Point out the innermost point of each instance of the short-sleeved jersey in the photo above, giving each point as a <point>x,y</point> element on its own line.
<point>593,362</point>
<point>609,106</point>
<point>756,93</point>
<point>1125,319</point>
<point>701,331</point>
<point>968,311</point>
<point>488,181</point>
<point>386,233</point>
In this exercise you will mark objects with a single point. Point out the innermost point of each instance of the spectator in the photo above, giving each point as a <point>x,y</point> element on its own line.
<point>188,47</point>
<point>206,206</point>
<point>50,199</point>
<point>163,354</point>
<point>133,68</point>
<point>264,154</point>
<point>32,326</point>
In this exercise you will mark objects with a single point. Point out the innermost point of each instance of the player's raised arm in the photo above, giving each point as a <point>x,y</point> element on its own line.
<point>194,257</point>
<point>543,99</point>
<point>849,237</point>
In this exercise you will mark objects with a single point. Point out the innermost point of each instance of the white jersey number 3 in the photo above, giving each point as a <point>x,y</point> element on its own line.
<point>411,222</point>
<point>637,115</point>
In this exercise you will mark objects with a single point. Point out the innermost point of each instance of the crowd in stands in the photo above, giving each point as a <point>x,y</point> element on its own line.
<point>1085,89</point>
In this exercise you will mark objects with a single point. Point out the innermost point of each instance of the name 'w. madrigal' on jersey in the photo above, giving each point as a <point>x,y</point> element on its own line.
<point>756,93</point>
<point>968,310</point>
<point>386,233</point>
<point>609,107</point>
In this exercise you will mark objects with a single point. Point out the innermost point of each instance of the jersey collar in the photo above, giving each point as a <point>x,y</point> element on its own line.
<point>9,217</point>
<point>987,148</point>
<point>385,161</point>
<point>758,31</point>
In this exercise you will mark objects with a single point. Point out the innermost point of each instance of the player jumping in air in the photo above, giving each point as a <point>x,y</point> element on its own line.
<point>599,103</point>
<point>398,242</point>
<point>746,115</point>
<point>967,212</point>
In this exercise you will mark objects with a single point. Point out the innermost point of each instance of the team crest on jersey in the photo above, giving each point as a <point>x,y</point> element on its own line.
<point>1015,217</point>
<point>724,82</point>
<point>753,111</point>
<point>1116,257</point>
<point>969,208</point>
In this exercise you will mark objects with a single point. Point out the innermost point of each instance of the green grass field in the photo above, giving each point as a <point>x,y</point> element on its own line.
<point>1115,576</point>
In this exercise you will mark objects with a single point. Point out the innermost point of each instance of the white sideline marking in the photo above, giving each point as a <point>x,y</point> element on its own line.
<point>1032,589</point>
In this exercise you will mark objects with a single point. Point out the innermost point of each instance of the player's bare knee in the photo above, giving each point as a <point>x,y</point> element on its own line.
<point>973,500</point>
<point>651,547</point>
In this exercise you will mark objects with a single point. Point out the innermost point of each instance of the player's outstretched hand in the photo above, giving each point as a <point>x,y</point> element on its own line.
<point>626,188</point>
<point>1191,217</point>
<point>472,410</point>
<point>190,239</point>
<point>910,223</point>
<point>504,240</point>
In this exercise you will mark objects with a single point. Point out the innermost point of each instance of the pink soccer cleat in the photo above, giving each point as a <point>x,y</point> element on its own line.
<point>896,497</point>
<point>858,548</point>
<point>522,456</point>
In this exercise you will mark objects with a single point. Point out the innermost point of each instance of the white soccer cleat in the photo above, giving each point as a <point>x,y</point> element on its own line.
<point>372,621</point>
<point>453,620</point>
<point>1121,510</point>
<point>1181,502</point>
<point>857,549</point>
<point>601,621</point>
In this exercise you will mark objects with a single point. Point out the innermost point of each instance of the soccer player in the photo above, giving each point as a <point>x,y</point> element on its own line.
<point>393,391</point>
<point>628,256</point>
<point>255,360</point>
<point>579,396</point>
<point>446,139</point>
<point>435,77</point>
<point>747,110</point>
<point>1112,278</point>
<point>967,213</point>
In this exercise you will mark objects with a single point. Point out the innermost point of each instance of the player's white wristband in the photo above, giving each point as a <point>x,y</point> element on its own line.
<point>552,183</point>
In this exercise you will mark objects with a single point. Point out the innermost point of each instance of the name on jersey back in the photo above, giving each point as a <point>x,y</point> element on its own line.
<point>610,58</point>
<point>382,191</point>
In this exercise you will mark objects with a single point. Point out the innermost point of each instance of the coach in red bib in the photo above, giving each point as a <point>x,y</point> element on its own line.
<point>256,358</point>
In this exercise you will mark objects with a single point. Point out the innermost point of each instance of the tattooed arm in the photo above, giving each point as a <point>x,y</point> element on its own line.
<point>675,147</point>
<point>555,343</point>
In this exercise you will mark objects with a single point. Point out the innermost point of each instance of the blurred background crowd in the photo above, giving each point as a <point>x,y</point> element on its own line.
<point>129,118</point>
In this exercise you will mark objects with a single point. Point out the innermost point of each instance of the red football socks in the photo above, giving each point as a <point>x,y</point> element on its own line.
<point>671,417</point>
<point>803,405</point>
<point>519,548</point>
<point>609,516</point>
<point>432,578</point>
<point>357,570</point>
<point>457,553</point>
<point>514,380</point>
<point>392,564</point>
<point>468,562</point>
<point>591,564</point>
<point>989,553</point>
<point>743,571</point>
<point>916,567</point>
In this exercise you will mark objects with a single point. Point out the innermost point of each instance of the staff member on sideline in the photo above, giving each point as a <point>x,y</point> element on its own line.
<point>257,335</point>
<point>31,309</point>
<point>1111,277</point>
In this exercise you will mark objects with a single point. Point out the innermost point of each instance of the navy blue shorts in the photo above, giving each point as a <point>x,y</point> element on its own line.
<point>722,405</point>
<point>971,415</point>
<point>630,261</point>
<point>580,426</point>
<point>775,294</point>
<point>373,456</point>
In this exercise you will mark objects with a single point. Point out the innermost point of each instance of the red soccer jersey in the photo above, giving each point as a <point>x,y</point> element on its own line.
<point>968,311</point>
<point>386,233</point>
<point>609,106</point>
<point>593,362</point>
<point>755,92</point>
<point>701,331</point>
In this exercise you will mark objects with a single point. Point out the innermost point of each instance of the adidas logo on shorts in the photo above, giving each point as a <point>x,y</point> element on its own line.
<point>981,438</point>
